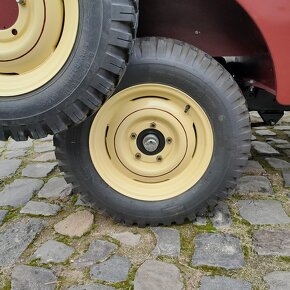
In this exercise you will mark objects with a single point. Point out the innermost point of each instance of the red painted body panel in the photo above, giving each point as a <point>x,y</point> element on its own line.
<point>8,13</point>
<point>256,32</point>
<point>273,19</point>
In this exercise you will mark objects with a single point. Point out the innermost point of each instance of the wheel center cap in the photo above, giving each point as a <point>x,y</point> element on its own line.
<point>151,142</point>
<point>8,13</point>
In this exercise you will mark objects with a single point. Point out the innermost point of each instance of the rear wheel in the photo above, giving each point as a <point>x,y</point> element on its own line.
<point>58,60</point>
<point>172,140</point>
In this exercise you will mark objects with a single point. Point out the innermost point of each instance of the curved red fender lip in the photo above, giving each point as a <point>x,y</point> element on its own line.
<point>273,19</point>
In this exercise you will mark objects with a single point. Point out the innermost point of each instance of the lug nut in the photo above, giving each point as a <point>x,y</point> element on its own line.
<point>153,125</point>
<point>159,158</point>
<point>138,156</point>
<point>133,136</point>
<point>169,140</point>
<point>20,2</point>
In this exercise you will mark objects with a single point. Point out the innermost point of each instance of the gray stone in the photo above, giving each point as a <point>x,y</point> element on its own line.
<point>113,270</point>
<point>287,152</point>
<point>38,169</point>
<point>265,133</point>
<point>19,192</point>
<point>278,280</point>
<point>261,128</point>
<point>2,144</point>
<point>80,202</point>
<point>3,214</point>
<point>255,117</point>
<point>218,250</point>
<point>223,283</point>
<point>8,167</point>
<point>55,188</point>
<point>200,221</point>
<point>278,163</point>
<point>282,128</point>
<point>47,138</point>
<point>254,184</point>
<point>264,148</point>
<point>13,145</point>
<point>127,238</point>
<point>32,278</point>
<point>40,208</point>
<point>52,252</point>
<point>168,242</point>
<point>272,242</point>
<point>15,154</point>
<point>277,141</point>
<point>221,216</point>
<point>263,212</point>
<point>48,156</point>
<point>91,287</point>
<point>98,251</point>
<point>157,275</point>
<point>42,147</point>
<point>15,239</point>
<point>76,224</point>
<point>283,146</point>
<point>201,218</point>
<point>286,177</point>
<point>253,138</point>
<point>254,167</point>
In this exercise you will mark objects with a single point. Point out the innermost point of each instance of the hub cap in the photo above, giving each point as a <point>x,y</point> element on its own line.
<point>151,142</point>
<point>35,42</point>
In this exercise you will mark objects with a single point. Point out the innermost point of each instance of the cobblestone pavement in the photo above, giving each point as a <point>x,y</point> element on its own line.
<point>51,240</point>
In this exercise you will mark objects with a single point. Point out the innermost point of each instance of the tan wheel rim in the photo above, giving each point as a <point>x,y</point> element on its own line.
<point>37,45</point>
<point>143,111</point>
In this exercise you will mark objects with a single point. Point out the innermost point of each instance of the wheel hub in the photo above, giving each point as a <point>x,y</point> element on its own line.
<point>33,36</point>
<point>151,148</point>
<point>150,142</point>
<point>36,38</point>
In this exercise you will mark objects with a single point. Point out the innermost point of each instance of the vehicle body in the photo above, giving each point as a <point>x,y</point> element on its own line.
<point>254,32</point>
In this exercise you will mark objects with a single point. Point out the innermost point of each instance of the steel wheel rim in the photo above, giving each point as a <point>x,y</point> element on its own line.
<point>36,47</point>
<point>170,172</point>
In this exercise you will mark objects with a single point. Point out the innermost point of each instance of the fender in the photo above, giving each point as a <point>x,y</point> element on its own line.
<point>273,19</point>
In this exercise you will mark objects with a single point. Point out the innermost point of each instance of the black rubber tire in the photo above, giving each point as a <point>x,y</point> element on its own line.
<point>106,33</point>
<point>170,62</point>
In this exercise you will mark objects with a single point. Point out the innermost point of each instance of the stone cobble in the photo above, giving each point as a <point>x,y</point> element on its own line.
<point>98,251</point>
<point>52,252</point>
<point>50,239</point>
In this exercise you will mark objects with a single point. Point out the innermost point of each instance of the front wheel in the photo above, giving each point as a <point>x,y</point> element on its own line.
<point>174,138</point>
